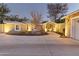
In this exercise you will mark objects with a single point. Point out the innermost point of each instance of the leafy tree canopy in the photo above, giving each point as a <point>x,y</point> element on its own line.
<point>57,10</point>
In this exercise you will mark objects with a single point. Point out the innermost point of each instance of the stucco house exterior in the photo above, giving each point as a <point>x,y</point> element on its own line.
<point>72,25</point>
<point>54,27</point>
<point>48,26</point>
<point>9,26</point>
<point>14,26</point>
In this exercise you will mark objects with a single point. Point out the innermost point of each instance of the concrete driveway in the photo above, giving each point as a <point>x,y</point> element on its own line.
<point>47,45</point>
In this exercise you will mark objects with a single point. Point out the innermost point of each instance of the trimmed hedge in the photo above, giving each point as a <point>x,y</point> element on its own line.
<point>27,33</point>
<point>60,21</point>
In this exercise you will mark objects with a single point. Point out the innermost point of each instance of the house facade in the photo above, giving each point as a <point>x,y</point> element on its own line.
<point>54,27</point>
<point>13,26</point>
<point>72,25</point>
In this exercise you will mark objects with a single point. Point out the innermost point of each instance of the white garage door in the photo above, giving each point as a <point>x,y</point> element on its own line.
<point>75,29</point>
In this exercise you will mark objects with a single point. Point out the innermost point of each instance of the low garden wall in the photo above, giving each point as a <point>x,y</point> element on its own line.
<point>59,27</point>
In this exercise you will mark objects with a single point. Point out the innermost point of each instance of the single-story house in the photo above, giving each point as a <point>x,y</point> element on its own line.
<point>72,25</point>
<point>13,26</point>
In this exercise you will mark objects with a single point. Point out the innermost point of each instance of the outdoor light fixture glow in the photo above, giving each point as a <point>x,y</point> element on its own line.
<point>45,30</point>
<point>6,30</point>
<point>29,29</point>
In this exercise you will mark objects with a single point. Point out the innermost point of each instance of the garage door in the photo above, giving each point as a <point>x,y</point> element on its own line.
<point>75,29</point>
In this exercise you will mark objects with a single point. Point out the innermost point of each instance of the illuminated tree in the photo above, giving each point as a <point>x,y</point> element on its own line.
<point>36,18</point>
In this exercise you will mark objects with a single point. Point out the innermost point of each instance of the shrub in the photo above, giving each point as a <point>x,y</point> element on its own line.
<point>60,21</point>
<point>27,33</point>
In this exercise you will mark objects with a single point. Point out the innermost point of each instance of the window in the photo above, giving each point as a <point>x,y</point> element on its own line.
<point>78,21</point>
<point>17,28</point>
